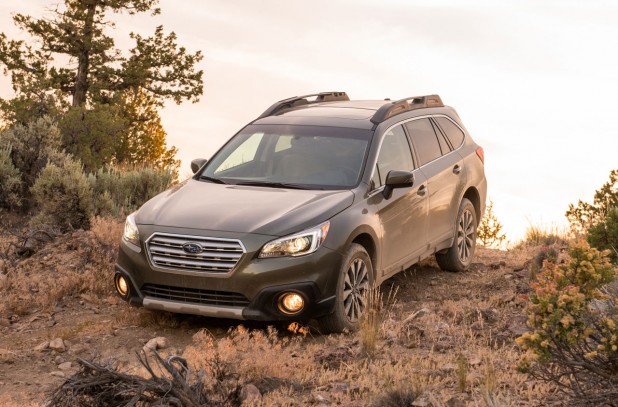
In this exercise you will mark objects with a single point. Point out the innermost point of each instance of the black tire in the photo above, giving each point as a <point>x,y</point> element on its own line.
<point>355,279</point>
<point>459,256</point>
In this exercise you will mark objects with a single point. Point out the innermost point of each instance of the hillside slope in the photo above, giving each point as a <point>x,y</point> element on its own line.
<point>448,338</point>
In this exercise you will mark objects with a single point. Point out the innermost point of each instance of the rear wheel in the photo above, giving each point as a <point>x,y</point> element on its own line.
<point>355,279</point>
<point>459,256</point>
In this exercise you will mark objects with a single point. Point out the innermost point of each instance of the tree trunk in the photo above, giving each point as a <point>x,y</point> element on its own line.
<point>83,59</point>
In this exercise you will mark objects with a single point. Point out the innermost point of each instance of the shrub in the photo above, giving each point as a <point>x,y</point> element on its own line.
<point>604,235</point>
<point>489,232</point>
<point>10,181</point>
<point>584,215</point>
<point>32,147</point>
<point>574,326</point>
<point>63,195</point>
<point>120,192</point>
<point>538,236</point>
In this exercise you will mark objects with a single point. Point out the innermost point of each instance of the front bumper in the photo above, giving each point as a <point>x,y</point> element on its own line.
<point>250,291</point>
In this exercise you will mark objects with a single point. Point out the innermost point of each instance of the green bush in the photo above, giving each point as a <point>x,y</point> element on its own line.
<point>32,147</point>
<point>585,215</point>
<point>574,326</point>
<point>119,192</point>
<point>10,181</point>
<point>63,195</point>
<point>604,235</point>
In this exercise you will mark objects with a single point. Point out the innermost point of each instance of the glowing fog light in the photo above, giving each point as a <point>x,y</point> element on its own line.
<point>121,285</point>
<point>291,303</point>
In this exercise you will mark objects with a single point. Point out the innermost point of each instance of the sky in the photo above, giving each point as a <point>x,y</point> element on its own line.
<point>535,82</point>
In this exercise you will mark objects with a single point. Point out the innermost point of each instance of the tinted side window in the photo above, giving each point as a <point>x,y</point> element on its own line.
<point>425,140</point>
<point>395,154</point>
<point>452,132</point>
<point>444,146</point>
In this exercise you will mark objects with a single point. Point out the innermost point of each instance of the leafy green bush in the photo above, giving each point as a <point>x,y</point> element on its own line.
<point>10,181</point>
<point>604,235</point>
<point>32,147</point>
<point>119,192</point>
<point>584,215</point>
<point>574,326</point>
<point>63,195</point>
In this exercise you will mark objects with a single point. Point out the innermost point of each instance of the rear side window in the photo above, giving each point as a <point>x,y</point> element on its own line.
<point>451,130</point>
<point>425,140</point>
<point>394,154</point>
<point>443,144</point>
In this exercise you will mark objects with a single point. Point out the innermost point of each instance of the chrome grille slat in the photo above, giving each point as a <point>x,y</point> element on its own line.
<point>205,254</point>
<point>218,255</point>
<point>209,243</point>
<point>195,296</point>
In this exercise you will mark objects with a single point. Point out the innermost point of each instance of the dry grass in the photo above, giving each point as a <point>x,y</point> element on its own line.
<point>545,235</point>
<point>74,265</point>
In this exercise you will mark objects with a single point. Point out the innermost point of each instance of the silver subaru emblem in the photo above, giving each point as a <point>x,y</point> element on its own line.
<point>192,248</point>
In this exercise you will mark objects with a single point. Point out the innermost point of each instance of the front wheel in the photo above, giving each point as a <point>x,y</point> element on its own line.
<point>355,279</point>
<point>459,256</point>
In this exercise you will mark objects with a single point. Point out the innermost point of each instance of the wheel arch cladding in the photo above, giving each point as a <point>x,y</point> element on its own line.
<point>473,196</point>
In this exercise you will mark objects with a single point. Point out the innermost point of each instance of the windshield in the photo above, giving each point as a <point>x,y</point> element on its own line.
<point>284,156</point>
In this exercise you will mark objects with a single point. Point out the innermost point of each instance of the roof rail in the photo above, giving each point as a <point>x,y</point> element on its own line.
<point>404,105</point>
<point>304,100</point>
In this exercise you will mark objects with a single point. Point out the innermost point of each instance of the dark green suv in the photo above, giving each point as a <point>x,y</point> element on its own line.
<point>308,206</point>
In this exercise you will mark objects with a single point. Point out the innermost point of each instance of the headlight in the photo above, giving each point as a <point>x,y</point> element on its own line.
<point>299,244</point>
<point>131,234</point>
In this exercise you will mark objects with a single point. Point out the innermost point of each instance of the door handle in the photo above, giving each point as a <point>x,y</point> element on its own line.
<point>421,190</point>
<point>456,169</point>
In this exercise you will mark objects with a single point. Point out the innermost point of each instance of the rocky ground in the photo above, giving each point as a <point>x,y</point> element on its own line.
<point>447,339</point>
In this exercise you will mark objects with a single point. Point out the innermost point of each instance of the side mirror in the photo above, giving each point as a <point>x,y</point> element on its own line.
<point>197,164</point>
<point>397,179</point>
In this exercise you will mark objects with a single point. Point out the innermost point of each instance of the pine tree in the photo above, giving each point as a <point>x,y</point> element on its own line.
<point>489,232</point>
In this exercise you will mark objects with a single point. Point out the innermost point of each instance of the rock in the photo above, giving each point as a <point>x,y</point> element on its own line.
<point>159,342</point>
<point>508,276</point>
<point>497,265</point>
<point>59,359</point>
<point>57,373</point>
<point>65,366</point>
<point>41,347</point>
<point>249,394</point>
<point>51,323</point>
<point>454,402</point>
<point>320,398</point>
<point>442,345</point>
<point>57,345</point>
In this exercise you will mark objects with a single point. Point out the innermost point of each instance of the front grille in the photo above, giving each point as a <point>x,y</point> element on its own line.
<point>216,255</point>
<point>195,296</point>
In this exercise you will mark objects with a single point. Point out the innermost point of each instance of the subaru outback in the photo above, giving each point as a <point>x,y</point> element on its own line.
<point>305,209</point>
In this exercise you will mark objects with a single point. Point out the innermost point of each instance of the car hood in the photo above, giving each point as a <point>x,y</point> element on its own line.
<point>243,209</point>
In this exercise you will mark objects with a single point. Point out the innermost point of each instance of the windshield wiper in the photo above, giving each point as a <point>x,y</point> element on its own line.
<point>272,184</point>
<point>213,180</point>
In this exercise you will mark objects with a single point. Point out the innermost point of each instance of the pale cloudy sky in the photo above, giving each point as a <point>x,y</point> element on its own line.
<point>535,82</point>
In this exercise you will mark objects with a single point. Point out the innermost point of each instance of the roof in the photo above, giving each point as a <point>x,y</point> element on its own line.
<point>336,109</point>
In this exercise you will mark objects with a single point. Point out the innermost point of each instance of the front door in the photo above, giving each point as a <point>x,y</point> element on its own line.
<point>403,216</point>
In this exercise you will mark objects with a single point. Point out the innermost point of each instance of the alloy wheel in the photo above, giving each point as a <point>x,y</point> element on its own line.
<point>355,287</point>
<point>466,235</point>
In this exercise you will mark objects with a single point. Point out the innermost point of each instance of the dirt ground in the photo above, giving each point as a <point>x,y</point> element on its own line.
<point>437,320</point>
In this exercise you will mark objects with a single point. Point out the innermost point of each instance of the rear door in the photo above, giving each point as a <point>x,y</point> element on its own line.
<point>403,217</point>
<point>445,173</point>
